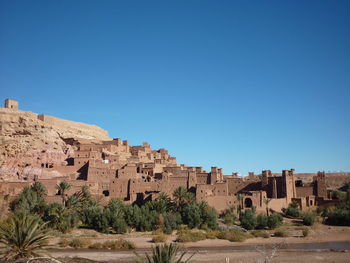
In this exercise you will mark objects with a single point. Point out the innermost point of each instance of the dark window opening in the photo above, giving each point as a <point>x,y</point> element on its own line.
<point>248,203</point>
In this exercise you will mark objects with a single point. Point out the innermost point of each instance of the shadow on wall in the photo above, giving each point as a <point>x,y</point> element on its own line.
<point>83,172</point>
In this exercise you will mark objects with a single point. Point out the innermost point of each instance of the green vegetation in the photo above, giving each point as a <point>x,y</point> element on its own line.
<point>260,233</point>
<point>159,238</point>
<point>293,210</point>
<point>23,236</point>
<point>267,202</point>
<point>78,243</point>
<point>308,218</point>
<point>80,209</point>
<point>119,244</point>
<point>281,233</point>
<point>229,216</point>
<point>305,232</point>
<point>164,254</point>
<point>341,214</point>
<point>233,235</point>
<point>250,221</point>
<point>62,188</point>
<point>190,236</point>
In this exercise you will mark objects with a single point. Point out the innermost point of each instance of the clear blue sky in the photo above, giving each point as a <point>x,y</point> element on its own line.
<point>243,85</point>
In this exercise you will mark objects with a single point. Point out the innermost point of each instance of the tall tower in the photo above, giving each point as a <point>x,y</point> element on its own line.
<point>321,189</point>
<point>289,190</point>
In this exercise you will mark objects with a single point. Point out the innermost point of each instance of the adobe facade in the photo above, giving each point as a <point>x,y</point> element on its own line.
<point>135,174</point>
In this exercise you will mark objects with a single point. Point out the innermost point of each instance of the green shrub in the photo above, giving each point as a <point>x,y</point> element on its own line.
<point>338,217</point>
<point>261,221</point>
<point>260,233</point>
<point>305,232</point>
<point>248,219</point>
<point>191,215</point>
<point>233,235</point>
<point>171,222</point>
<point>281,233</point>
<point>159,238</point>
<point>293,210</point>
<point>229,219</point>
<point>274,220</point>
<point>190,236</point>
<point>308,218</point>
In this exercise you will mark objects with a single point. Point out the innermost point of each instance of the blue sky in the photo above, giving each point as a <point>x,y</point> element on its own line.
<point>243,85</point>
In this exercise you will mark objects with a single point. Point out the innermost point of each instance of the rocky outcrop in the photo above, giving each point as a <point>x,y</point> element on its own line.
<point>30,142</point>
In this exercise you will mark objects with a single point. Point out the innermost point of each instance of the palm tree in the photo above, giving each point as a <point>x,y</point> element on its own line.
<point>62,187</point>
<point>23,236</point>
<point>240,198</point>
<point>179,195</point>
<point>182,197</point>
<point>39,188</point>
<point>61,218</point>
<point>266,202</point>
<point>163,254</point>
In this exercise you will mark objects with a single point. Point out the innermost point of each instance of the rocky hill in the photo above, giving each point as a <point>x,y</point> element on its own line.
<point>29,140</point>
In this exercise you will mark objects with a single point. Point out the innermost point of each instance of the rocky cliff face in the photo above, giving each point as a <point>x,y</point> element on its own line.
<point>27,143</point>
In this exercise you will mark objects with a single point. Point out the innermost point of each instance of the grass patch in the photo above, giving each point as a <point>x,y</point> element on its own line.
<point>119,244</point>
<point>260,233</point>
<point>281,233</point>
<point>78,243</point>
<point>159,238</point>
<point>233,235</point>
<point>63,242</point>
<point>305,232</point>
<point>190,236</point>
<point>212,234</point>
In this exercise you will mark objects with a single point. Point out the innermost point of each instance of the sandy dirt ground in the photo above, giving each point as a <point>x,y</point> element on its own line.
<point>217,250</point>
<point>318,233</point>
<point>233,257</point>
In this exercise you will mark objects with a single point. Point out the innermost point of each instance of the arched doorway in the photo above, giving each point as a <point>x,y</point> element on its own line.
<point>248,203</point>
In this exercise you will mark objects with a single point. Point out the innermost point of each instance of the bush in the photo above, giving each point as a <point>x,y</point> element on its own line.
<point>190,236</point>
<point>281,233</point>
<point>171,222</point>
<point>309,218</point>
<point>274,220</point>
<point>159,238</point>
<point>248,219</point>
<point>259,233</point>
<point>119,226</point>
<point>191,216</point>
<point>233,235</point>
<point>293,210</point>
<point>261,221</point>
<point>95,217</point>
<point>60,218</point>
<point>208,216</point>
<point>305,232</point>
<point>339,217</point>
<point>230,219</point>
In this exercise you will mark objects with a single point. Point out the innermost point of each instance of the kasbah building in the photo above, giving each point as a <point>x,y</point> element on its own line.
<point>114,169</point>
